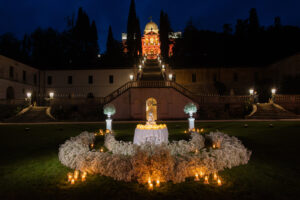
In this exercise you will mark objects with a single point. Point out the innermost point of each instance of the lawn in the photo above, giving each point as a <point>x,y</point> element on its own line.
<point>30,169</point>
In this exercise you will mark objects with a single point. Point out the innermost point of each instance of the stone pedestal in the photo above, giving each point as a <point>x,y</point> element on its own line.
<point>109,124</point>
<point>191,123</point>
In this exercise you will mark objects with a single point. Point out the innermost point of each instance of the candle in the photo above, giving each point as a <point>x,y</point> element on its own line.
<point>92,145</point>
<point>201,174</point>
<point>206,180</point>
<point>150,186</point>
<point>76,173</point>
<point>201,130</point>
<point>83,178</point>
<point>219,182</point>
<point>185,131</point>
<point>72,181</point>
<point>214,146</point>
<point>196,151</point>
<point>215,176</point>
<point>157,183</point>
<point>101,149</point>
<point>70,176</point>
<point>196,177</point>
<point>197,130</point>
<point>149,180</point>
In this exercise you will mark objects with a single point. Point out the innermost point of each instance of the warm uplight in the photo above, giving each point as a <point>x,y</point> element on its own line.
<point>273,91</point>
<point>196,177</point>
<point>28,95</point>
<point>201,174</point>
<point>149,180</point>
<point>83,176</point>
<point>51,95</point>
<point>72,181</point>
<point>251,91</point>
<point>131,77</point>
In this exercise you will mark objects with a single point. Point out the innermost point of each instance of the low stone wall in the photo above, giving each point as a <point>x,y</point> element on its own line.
<point>289,102</point>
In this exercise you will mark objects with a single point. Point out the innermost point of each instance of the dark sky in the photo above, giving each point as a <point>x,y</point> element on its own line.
<point>23,16</point>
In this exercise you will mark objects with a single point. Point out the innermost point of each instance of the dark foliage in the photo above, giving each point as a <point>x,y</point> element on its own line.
<point>249,45</point>
<point>164,30</point>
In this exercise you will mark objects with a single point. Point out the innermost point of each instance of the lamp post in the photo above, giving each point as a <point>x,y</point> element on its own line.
<point>131,77</point>
<point>251,92</point>
<point>273,91</point>
<point>29,94</point>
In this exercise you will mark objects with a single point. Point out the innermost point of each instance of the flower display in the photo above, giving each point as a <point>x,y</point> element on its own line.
<point>190,108</point>
<point>109,110</point>
<point>173,161</point>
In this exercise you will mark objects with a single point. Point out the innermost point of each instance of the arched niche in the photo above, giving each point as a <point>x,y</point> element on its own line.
<point>151,106</point>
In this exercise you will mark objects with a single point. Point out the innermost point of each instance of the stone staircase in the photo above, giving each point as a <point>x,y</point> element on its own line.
<point>152,71</point>
<point>34,114</point>
<point>271,111</point>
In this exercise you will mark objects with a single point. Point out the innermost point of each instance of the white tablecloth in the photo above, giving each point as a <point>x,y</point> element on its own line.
<point>154,136</point>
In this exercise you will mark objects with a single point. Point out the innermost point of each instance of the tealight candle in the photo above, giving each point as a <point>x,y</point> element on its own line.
<point>72,181</point>
<point>92,145</point>
<point>149,180</point>
<point>214,146</point>
<point>201,130</point>
<point>201,174</point>
<point>101,149</point>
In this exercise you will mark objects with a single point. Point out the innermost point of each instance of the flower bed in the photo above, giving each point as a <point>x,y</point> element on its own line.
<point>174,161</point>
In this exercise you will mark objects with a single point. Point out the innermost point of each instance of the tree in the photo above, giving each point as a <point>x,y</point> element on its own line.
<point>133,32</point>
<point>164,30</point>
<point>253,26</point>
<point>10,46</point>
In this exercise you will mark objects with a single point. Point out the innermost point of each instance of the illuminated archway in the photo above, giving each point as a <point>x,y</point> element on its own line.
<point>151,106</point>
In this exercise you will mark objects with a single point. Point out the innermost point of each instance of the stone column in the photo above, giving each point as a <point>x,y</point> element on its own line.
<point>109,124</point>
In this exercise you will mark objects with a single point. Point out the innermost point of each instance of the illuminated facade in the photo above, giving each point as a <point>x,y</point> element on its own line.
<point>150,41</point>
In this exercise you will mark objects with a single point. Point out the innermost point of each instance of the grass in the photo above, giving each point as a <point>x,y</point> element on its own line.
<point>29,166</point>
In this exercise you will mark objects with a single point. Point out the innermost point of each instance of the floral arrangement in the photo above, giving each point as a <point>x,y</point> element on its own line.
<point>109,110</point>
<point>174,161</point>
<point>190,108</point>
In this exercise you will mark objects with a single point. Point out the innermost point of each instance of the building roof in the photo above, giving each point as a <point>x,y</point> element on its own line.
<point>151,26</point>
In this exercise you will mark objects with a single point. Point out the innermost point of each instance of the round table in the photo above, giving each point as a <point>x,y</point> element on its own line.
<point>156,136</point>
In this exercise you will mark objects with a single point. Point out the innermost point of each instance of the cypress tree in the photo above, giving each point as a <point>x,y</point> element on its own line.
<point>165,29</point>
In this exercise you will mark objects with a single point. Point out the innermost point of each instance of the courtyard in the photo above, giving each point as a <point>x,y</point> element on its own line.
<point>30,168</point>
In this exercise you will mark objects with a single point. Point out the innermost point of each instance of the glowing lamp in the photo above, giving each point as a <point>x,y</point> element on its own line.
<point>170,76</point>
<point>28,95</point>
<point>101,150</point>
<point>92,145</point>
<point>73,181</point>
<point>150,186</point>
<point>70,177</point>
<point>140,66</point>
<point>251,91</point>
<point>131,77</point>
<point>273,91</point>
<point>196,177</point>
<point>163,66</point>
<point>51,95</point>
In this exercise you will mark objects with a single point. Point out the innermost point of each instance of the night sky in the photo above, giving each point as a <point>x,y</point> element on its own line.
<point>24,16</point>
